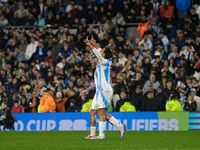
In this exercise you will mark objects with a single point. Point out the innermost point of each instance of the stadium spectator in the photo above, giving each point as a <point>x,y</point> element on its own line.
<point>190,105</point>
<point>167,11</point>
<point>40,22</point>
<point>60,101</point>
<point>161,98</point>
<point>152,17</point>
<point>123,99</point>
<point>182,6</point>
<point>152,81</point>
<point>142,26</point>
<point>182,98</point>
<point>8,85</point>
<point>23,102</point>
<point>137,56</point>
<point>72,106</point>
<point>69,6</point>
<point>33,103</point>
<point>47,103</point>
<point>127,107</point>
<point>122,59</point>
<point>137,98</point>
<point>196,98</point>
<point>49,19</point>
<point>146,43</point>
<point>17,107</point>
<point>31,48</point>
<point>65,52</point>
<point>121,85</point>
<point>21,14</point>
<point>6,117</point>
<point>169,87</point>
<point>7,99</point>
<point>40,52</point>
<point>172,57</point>
<point>173,104</point>
<point>3,20</point>
<point>150,104</point>
<point>55,46</point>
<point>136,80</point>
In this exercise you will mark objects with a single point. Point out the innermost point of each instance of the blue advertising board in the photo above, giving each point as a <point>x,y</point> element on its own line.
<point>81,121</point>
<point>194,121</point>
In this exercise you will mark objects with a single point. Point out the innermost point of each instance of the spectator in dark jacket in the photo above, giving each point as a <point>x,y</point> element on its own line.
<point>72,106</point>
<point>33,103</point>
<point>6,117</point>
<point>123,99</point>
<point>190,105</point>
<point>41,52</point>
<point>64,52</point>
<point>136,80</point>
<point>55,46</point>
<point>150,104</point>
<point>121,86</point>
<point>172,31</point>
<point>161,98</point>
<point>169,87</point>
<point>72,96</point>
<point>8,99</point>
<point>137,98</point>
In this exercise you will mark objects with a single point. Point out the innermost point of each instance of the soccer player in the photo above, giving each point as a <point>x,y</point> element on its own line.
<point>104,93</point>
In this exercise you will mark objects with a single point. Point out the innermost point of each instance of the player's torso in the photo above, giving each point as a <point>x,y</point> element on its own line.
<point>102,77</point>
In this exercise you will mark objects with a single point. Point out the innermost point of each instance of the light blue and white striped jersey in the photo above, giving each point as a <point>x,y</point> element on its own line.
<point>102,76</point>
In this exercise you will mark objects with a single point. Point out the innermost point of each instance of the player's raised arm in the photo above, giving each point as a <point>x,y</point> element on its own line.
<point>99,54</point>
<point>87,42</point>
<point>93,42</point>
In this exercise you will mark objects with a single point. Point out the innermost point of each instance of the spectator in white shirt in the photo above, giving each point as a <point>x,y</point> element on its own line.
<point>196,98</point>
<point>122,59</point>
<point>146,43</point>
<point>31,48</point>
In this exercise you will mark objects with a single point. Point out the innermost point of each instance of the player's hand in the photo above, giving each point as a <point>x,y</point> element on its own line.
<point>92,40</point>
<point>86,41</point>
<point>84,92</point>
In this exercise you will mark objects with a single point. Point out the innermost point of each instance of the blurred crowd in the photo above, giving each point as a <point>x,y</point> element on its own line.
<point>159,67</point>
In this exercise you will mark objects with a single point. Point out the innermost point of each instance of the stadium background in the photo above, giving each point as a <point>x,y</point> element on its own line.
<point>21,76</point>
<point>24,69</point>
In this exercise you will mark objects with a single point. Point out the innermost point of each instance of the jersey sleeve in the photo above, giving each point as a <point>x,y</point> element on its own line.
<point>100,58</point>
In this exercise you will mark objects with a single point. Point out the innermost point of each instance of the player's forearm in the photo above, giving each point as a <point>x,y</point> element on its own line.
<point>94,44</point>
<point>91,46</point>
<point>91,87</point>
<point>97,53</point>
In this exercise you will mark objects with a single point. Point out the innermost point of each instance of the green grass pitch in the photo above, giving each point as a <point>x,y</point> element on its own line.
<point>61,140</point>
